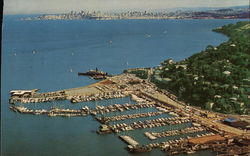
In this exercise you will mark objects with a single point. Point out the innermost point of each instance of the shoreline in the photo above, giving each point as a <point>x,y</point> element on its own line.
<point>196,70</point>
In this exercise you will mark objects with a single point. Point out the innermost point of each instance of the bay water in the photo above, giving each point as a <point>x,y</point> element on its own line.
<point>48,54</point>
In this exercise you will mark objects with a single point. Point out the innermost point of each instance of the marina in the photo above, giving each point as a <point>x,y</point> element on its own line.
<point>151,108</point>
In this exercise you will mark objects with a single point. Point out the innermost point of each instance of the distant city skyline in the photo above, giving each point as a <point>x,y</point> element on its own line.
<point>64,6</point>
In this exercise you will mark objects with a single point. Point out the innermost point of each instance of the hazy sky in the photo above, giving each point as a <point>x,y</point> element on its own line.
<point>60,6</point>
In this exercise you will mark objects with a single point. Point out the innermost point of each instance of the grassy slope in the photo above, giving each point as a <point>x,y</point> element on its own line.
<point>216,78</point>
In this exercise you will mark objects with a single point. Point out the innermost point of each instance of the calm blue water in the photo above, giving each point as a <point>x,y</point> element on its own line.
<point>82,45</point>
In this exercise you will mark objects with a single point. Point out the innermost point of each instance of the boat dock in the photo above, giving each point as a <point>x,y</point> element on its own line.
<point>121,107</point>
<point>52,112</point>
<point>189,130</point>
<point>95,97</point>
<point>128,116</point>
<point>34,97</point>
<point>148,124</point>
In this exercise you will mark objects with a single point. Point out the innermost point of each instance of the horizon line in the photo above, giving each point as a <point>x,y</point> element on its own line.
<point>114,11</point>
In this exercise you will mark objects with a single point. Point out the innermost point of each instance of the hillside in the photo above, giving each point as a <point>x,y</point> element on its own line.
<point>217,78</point>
